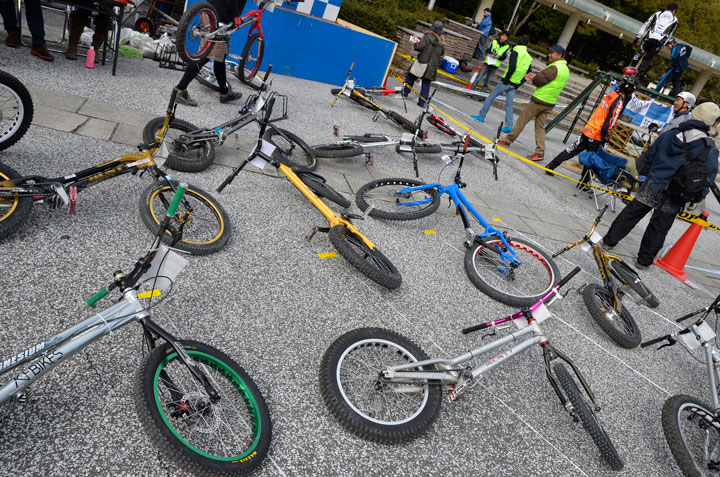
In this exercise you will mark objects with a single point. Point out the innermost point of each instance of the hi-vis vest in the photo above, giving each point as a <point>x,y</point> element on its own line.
<point>521,65</point>
<point>549,92</point>
<point>496,51</point>
<point>604,114</point>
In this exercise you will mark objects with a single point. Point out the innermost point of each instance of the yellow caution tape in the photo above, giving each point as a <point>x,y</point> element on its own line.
<point>327,255</point>
<point>429,232</point>
<point>686,216</point>
<point>149,294</point>
<point>444,73</point>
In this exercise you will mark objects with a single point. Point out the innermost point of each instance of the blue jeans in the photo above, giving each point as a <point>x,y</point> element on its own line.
<point>34,16</point>
<point>424,90</point>
<point>673,76</point>
<point>499,89</point>
<point>488,71</point>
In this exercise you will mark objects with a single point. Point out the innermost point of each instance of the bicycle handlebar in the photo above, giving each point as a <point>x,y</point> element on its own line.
<point>568,277</point>
<point>654,341</point>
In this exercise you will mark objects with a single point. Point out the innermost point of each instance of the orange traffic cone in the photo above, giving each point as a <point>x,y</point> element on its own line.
<point>675,259</point>
<point>472,80</point>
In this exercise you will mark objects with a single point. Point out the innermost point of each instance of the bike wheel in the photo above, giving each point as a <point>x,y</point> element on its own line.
<point>322,189</point>
<point>338,150</point>
<point>388,204</point>
<point>145,25</point>
<point>369,405</point>
<point>192,157</point>
<point>582,409</point>
<point>631,278</point>
<point>518,286</point>
<point>16,110</point>
<point>229,435</point>
<point>252,56</point>
<point>205,224</point>
<point>621,328</point>
<point>14,210</point>
<point>423,148</point>
<point>401,120</point>
<point>371,262</point>
<point>199,18</point>
<point>691,433</point>
<point>294,151</point>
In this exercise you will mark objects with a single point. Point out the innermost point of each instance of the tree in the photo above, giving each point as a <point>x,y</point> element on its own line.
<point>518,23</point>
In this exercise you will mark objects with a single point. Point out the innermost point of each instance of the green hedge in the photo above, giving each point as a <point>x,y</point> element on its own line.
<point>383,16</point>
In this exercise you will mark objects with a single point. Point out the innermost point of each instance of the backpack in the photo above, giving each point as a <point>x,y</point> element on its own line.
<point>690,181</point>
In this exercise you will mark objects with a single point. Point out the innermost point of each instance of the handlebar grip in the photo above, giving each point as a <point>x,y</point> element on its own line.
<point>689,315</point>
<point>475,328</point>
<point>268,109</point>
<point>568,277</point>
<point>179,193</point>
<point>602,212</point>
<point>654,341</point>
<point>98,297</point>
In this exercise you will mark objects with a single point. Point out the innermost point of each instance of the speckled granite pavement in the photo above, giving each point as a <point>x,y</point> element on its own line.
<point>270,302</point>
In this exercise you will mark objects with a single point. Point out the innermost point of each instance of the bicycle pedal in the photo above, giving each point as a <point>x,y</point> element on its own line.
<point>376,117</point>
<point>369,159</point>
<point>73,200</point>
<point>310,236</point>
<point>347,216</point>
<point>336,130</point>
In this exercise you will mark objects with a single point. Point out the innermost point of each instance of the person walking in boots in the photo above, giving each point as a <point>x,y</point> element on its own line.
<point>431,49</point>
<point>663,159</point>
<point>36,25</point>
<point>597,130</point>
<point>550,83</point>
<point>79,19</point>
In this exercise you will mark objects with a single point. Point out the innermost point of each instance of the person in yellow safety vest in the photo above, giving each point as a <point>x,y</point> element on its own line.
<point>549,84</point>
<point>597,130</point>
<point>496,54</point>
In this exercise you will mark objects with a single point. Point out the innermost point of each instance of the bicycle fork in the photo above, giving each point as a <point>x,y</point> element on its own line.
<point>551,353</point>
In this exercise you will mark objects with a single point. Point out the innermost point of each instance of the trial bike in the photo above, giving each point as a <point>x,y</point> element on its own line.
<point>384,388</point>
<point>16,110</point>
<point>691,427</point>
<point>199,407</point>
<point>205,225</point>
<point>510,270</point>
<point>604,302</point>
<point>344,235</point>
<point>199,29</point>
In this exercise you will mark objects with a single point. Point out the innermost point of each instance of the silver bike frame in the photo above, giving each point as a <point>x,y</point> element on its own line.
<point>528,336</point>
<point>51,352</point>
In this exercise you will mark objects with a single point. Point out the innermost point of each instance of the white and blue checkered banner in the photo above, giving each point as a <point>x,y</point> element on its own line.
<point>325,9</point>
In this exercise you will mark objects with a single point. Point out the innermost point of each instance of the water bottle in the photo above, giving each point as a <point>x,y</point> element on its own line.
<point>90,61</point>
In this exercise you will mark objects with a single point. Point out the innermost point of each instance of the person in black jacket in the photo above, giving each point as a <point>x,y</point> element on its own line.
<point>662,160</point>
<point>229,11</point>
<point>431,48</point>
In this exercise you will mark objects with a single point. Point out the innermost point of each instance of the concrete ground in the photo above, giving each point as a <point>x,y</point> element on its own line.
<point>275,306</point>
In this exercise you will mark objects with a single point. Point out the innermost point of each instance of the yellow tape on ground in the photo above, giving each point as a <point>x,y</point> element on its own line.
<point>323,256</point>
<point>686,216</point>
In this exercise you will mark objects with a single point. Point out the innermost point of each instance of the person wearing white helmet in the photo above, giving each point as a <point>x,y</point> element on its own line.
<point>681,110</point>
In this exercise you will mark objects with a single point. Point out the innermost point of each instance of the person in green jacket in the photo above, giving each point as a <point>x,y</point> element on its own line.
<point>515,73</point>
<point>549,84</point>
<point>432,49</point>
<point>495,54</point>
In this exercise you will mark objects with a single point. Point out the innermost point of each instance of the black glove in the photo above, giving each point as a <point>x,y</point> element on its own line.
<point>636,42</point>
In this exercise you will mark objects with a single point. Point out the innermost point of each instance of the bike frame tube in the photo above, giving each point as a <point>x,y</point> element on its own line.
<point>55,350</point>
<point>712,374</point>
<point>396,372</point>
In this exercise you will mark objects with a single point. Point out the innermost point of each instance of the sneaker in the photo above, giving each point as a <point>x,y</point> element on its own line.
<point>230,96</point>
<point>422,105</point>
<point>549,172</point>
<point>639,266</point>
<point>478,118</point>
<point>506,130</point>
<point>535,157</point>
<point>184,98</point>
<point>12,40</point>
<point>41,52</point>
<point>503,142</point>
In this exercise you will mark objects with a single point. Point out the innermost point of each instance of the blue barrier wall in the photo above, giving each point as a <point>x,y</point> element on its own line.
<point>306,47</point>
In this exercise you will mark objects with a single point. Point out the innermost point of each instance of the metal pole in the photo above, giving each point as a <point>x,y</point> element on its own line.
<point>517,5</point>
<point>431,4</point>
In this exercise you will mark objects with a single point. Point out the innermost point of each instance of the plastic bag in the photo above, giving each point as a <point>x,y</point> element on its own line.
<point>86,36</point>
<point>125,35</point>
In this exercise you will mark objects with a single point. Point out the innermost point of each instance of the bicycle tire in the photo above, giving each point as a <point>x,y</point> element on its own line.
<point>228,436</point>
<point>181,157</point>
<point>441,126</point>
<point>202,240</point>
<point>584,412</point>
<point>672,428</point>
<point>14,211</point>
<point>631,278</point>
<point>423,148</point>
<point>402,121</point>
<point>481,266</point>
<point>364,421</point>
<point>371,263</point>
<point>186,44</point>
<point>16,110</point>
<point>365,197</point>
<point>251,58</point>
<point>293,150</point>
<point>322,189</point>
<point>145,25</point>
<point>338,150</point>
<point>599,303</point>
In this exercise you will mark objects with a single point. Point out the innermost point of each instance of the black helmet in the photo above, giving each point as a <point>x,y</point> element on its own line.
<point>629,84</point>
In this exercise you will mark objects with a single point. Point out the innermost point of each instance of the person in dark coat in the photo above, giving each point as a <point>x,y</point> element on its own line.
<point>662,160</point>
<point>431,49</point>
<point>679,61</point>
<point>229,11</point>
